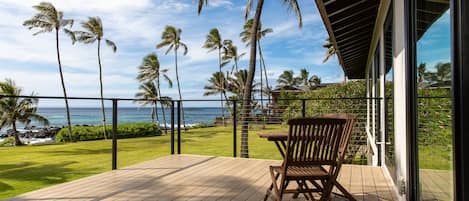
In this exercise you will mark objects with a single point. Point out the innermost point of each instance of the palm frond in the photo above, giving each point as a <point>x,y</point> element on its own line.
<point>71,34</point>
<point>201,4</point>
<point>247,10</point>
<point>111,44</point>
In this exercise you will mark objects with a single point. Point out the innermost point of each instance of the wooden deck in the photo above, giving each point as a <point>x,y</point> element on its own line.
<point>189,177</point>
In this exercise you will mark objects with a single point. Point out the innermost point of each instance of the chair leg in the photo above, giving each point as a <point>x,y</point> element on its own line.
<point>277,192</point>
<point>269,190</point>
<point>328,185</point>
<point>344,191</point>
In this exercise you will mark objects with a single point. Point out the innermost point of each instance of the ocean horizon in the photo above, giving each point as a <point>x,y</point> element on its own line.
<point>93,115</point>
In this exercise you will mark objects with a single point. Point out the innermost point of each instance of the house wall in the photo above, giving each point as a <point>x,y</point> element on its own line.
<point>400,91</point>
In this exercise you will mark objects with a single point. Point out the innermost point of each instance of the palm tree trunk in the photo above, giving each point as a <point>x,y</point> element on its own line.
<point>248,87</point>
<point>155,106</point>
<point>262,77</point>
<point>152,114</point>
<point>101,90</point>
<point>223,88</point>
<point>67,109</point>
<point>265,71</point>
<point>179,86</point>
<point>15,134</point>
<point>162,107</point>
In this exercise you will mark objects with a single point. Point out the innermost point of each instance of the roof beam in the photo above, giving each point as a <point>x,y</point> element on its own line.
<point>354,29</point>
<point>354,14</point>
<point>354,23</point>
<point>346,8</point>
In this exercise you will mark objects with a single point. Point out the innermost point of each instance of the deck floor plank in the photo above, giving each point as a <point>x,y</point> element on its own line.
<point>190,177</point>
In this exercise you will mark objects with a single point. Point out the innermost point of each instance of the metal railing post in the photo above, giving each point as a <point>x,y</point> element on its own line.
<point>235,124</point>
<point>114,134</point>
<point>172,127</point>
<point>179,127</point>
<point>303,109</point>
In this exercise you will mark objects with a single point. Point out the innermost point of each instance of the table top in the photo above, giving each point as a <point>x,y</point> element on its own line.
<point>274,136</point>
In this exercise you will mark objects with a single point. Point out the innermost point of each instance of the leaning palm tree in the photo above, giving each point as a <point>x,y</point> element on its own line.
<point>231,55</point>
<point>47,20</point>
<point>245,36</point>
<point>150,71</point>
<point>293,4</point>
<point>94,33</point>
<point>148,95</point>
<point>331,51</point>
<point>15,110</point>
<point>212,43</point>
<point>171,37</point>
<point>287,79</point>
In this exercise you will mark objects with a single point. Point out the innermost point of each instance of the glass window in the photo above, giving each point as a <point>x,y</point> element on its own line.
<point>433,68</point>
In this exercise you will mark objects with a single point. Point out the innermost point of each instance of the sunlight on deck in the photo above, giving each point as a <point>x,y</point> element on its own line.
<point>189,177</point>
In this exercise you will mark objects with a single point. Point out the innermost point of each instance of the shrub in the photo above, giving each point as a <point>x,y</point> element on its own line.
<point>8,142</point>
<point>127,130</point>
<point>201,125</point>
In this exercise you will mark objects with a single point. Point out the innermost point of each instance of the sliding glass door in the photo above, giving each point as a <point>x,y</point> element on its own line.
<point>434,103</point>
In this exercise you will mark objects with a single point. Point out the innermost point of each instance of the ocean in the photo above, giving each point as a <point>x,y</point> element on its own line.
<point>92,116</point>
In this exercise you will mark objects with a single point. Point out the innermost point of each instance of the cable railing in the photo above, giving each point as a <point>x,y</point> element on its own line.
<point>184,117</point>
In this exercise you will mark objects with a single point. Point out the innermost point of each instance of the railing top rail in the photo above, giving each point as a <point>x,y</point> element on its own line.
<point>188,100</point>
<point>210,100</point>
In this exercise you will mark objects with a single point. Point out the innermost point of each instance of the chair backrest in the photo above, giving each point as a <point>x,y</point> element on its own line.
<point>347,131</point>
<point>314,141</point>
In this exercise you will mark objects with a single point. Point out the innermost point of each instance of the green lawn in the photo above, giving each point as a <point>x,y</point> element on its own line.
<point>24,169</point>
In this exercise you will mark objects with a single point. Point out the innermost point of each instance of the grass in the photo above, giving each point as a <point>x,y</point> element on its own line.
<point>24,169</point>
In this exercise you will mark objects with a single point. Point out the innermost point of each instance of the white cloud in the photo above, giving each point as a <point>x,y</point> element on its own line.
<point>136,27</point>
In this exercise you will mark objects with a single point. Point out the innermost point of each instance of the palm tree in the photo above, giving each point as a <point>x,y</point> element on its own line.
<point>15,110</point>
<point>231,54</point>
<point>421,73</point>
<point>47,20</point>
<point>150,71</point>
<point>245,36</point>
<point>149,96</point>
<point>292,4</point>
<point>304,77</point>
<point>315,80</point>
<point>442,74</point>
<point>307,81</point>
<point>217,85</point>
<point>237,83</point>
<point>214,42</point>
<point>171,37</point>
<point>287,79</point>
<point>331,51</point>
<point>94,32</point>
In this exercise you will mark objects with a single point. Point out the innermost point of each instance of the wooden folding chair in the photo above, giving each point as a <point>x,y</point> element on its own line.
<point>314,151</point>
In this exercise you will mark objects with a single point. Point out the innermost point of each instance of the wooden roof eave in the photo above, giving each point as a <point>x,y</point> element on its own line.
<point>322,11</point>
<point>380,18</point>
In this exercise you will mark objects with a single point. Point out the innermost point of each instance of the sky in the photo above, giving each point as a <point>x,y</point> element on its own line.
<point>136,27</point>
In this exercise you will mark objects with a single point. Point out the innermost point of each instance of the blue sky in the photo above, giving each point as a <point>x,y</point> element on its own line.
<point>136,27</point>
<point>435,45</point>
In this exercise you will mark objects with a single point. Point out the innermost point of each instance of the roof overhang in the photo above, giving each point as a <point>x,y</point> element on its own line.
<point>351,26</point>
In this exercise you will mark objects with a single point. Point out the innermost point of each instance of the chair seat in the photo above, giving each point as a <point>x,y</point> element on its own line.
<point>303,171</point>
